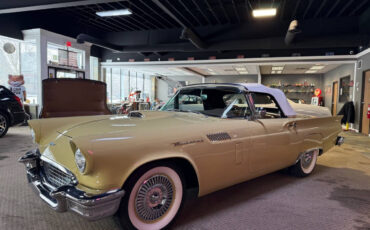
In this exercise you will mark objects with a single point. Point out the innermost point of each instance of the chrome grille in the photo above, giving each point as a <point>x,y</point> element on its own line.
<point>55,176</point>
<point>219,137</point>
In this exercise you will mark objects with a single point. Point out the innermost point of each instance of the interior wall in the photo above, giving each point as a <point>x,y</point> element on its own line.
<point>281,79</point>
<point>232,79</point>
<point>333,76</point>
<point>358,87</point>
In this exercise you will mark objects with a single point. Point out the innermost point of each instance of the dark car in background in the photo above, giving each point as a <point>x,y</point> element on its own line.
<point>11,110</point>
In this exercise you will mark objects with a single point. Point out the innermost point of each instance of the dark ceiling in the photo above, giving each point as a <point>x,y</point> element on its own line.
<point>219,28</point>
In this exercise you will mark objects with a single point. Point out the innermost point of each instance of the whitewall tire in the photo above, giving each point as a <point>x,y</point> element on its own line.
<point>306,164</point>
<point>154,199</point>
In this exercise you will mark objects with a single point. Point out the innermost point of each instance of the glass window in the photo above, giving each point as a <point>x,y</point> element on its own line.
<point>116,85</point>
<point>266,106</point>
<point>133,80</point>
<point>125,84</point>
<point>94,68</point>
<point>225,102</point>
<point>29,71</point>
<point>66,74</point>
<point>148,88</point>
<point>108,81</point>
<point>59,55</point>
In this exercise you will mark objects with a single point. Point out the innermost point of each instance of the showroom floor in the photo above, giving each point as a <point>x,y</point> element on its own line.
<point>336,196</point>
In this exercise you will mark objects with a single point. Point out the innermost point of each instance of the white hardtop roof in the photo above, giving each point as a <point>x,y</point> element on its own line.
<point>276,93</point>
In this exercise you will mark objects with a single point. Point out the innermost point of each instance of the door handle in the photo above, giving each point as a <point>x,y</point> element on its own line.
<point>292,124</point>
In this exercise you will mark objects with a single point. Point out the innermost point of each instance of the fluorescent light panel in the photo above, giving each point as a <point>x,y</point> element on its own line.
<point>240,69</point>
<point>277,67</point>
<point>112,13</point>
<point>317,67</point>
<point>311,71</point>
<point>243,72</point>
<point>264,13</point>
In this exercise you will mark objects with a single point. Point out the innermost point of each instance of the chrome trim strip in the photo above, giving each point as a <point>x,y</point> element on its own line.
<point>60,167</point>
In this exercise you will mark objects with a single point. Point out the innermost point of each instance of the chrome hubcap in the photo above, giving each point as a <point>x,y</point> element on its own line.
<point>307,159</point>
<point>154,198</point>
<point>2,124</point>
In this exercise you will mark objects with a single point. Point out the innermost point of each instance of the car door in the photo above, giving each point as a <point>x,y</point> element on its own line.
<point>275,140</point>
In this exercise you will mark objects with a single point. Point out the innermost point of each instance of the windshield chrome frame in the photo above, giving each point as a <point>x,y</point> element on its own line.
<point>241,90</point>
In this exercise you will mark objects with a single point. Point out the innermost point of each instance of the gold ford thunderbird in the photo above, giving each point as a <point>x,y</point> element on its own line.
<point>141,165</point>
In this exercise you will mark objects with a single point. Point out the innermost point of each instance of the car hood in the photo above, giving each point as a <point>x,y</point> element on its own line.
<point>149,121</point>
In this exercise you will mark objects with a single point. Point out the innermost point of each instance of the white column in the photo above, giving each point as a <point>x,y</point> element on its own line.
<point>259,77</point>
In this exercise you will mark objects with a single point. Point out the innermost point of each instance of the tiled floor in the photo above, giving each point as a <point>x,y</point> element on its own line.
<point>336,196</point>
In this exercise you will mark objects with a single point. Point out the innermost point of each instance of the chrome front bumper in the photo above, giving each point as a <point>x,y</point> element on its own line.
<point>68,197</point>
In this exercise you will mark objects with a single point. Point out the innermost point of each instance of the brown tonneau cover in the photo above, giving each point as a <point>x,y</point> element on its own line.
<point>65,97</point>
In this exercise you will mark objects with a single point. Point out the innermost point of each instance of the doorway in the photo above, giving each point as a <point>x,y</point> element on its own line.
<point>334,99</point>
<point>365,104</point>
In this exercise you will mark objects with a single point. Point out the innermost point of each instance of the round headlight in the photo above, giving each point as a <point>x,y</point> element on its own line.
<point>33,135</point>
<point>80,160</point>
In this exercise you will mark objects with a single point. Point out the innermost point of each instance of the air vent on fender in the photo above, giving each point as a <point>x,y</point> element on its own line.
<point>135,114</point>
<point>219,137</point>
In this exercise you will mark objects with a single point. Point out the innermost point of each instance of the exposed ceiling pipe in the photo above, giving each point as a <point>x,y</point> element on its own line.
<point>187,33</point>
<point>293,30</point>
<point>277,43</point>
<point>81,38</point>
<point>53,5</point>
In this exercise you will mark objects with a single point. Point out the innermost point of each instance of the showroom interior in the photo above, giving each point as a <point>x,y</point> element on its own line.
<point>143,52</point>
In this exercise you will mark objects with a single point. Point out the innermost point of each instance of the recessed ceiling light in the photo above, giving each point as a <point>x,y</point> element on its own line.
<point>264,13</point>
<point>311,71</point>
<point>243,72</point>
<point>279,72</point>
<point>240,69</point>
<point>277,67</point>
<point>112,13</point>
<point>273,72</point>
<point>317,67</point>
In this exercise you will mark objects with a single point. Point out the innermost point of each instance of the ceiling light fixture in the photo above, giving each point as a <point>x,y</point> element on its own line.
<point>317,67</point>
<point>311,71</point>
<point>243,72</point>
<point>264,13</point>
<point>279,72</point>
<point>240,69</point>
<point>113,13</point>
<point>273,72</point>
<point>277,67</point>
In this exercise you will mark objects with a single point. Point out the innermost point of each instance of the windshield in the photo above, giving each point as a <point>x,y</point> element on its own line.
<point>223,102</point>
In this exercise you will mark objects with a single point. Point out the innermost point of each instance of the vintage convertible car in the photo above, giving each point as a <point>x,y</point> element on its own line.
<point>142,165</point>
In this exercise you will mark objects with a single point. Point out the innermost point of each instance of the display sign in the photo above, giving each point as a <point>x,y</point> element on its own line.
<point>72,59</point>
<point>62,57</point>
<point>368,111</point>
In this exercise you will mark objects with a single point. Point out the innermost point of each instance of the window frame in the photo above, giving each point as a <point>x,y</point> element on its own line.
<point>241,90</point>
<point>272,97</point>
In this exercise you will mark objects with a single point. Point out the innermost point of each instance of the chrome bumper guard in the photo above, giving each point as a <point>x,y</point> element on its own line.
<point>68,197</point>
<point>339,141</point>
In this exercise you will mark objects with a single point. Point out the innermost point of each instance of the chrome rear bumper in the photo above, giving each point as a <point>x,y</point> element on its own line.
<point>68,197</point>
